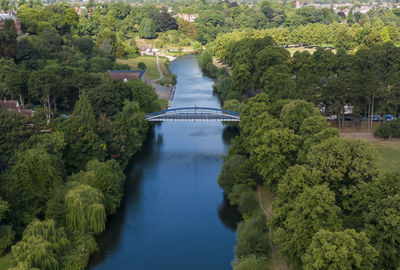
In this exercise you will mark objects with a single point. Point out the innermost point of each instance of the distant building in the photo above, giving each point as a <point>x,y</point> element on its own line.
<point>14,106</point>
<point>126,75</point>
<point>187,17</point>
<point>4,16</point>
<point>145,49</point>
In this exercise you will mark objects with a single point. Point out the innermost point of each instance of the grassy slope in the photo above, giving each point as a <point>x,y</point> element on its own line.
<point>5,261</point>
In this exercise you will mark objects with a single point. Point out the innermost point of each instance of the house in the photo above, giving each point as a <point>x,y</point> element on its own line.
<point>187,17</point>
<point>126,75</point>
<point>14,106</point>
<point>11,15</point>
<point>145,49</point>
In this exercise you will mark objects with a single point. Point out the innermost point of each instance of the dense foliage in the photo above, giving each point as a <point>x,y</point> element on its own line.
<point>65,163</point>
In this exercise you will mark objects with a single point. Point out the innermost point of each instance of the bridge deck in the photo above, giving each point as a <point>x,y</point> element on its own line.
<point>193,114</point>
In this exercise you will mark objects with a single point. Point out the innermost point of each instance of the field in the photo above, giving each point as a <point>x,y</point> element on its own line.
<point>5,261</point>
<point>389,151</point>
<point>150,61</point>
<point>152,72</point>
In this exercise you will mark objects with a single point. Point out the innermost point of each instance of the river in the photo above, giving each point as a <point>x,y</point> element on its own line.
<point>174,216</point>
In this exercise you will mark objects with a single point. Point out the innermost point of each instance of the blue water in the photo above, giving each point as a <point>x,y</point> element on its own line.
<point>174,216</point>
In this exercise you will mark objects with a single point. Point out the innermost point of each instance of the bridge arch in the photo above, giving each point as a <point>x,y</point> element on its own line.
<point>193,114</point>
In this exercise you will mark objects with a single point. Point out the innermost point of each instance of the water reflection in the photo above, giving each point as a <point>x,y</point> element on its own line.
<point>172,217</point>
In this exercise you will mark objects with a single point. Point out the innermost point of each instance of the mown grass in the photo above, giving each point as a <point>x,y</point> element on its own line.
<point>389,152</point>
<point>150,61</point>
<point>152,71</point>
<point>5,261</point>
<point>163,103</point>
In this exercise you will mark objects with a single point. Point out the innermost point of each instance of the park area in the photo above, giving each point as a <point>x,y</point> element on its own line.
<point>152,72</point>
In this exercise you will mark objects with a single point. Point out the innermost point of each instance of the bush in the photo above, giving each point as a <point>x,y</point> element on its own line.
<point>391,129</point>
<point>252,237</point>
<point>6,237</point>
<point>251,262</point>
<point>142,65</point>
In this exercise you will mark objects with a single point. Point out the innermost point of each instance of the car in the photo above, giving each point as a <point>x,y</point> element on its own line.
<point>331,117</point>
<point>389,117</point>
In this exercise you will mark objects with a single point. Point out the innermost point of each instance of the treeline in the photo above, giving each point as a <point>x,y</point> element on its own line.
<point>329,211</point>
<point>62,174</point>
<point>366,80</point>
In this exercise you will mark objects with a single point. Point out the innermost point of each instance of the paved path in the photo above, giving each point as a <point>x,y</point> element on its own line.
<point>159,70</point>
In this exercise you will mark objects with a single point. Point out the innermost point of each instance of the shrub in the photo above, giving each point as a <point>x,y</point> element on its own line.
<point>142,65</point>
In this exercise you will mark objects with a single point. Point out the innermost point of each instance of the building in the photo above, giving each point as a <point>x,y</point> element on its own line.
<point>14,106</point>
<point>11,15</point>
<point>187,17</point>
<point>126,75</point>
<point>146,49</point>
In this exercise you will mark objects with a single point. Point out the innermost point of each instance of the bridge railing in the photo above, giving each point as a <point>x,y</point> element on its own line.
<point>191,109</point>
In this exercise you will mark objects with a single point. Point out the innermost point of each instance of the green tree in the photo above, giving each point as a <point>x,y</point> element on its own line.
<point>31,182</point>
<point>85,212</point>
<point>251,262</point>
<point>147,29</point>
<point>345,164</point>
<point>8,40</point>
<point>252,237</point>
<point>314,209</point>
<point>347,250</point>
<point>108,178</point>
<point>294,113</point>
<point>145,95</point>
<point>42,246</point>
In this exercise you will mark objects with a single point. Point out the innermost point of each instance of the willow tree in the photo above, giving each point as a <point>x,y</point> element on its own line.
<point>85,211</point>
<point>42,246</point>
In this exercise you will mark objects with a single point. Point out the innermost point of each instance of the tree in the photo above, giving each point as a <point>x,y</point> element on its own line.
<point>167,22</point>
<point>31,182</point>
<point>276,152</point>
<point>8,40</point>
<point>85,212</point>
<point>42,246</point>
<point>347,250</point>
<point>251,237</point>
<point>106,177</point>
<point>382,227</point>
<point>294,113</point>
<point>44,86</point>
<point>251,262</point>
<point>142,65</point>
<point>17,84</point>
<point>145,95</point>
<point>147,29</point>
<point>6,232</point>
<point>83,143</point>
<point>345,164</point>
<point>313,209</point>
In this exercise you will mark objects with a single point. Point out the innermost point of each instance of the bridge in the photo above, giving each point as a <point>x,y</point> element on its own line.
<point>193,114</point>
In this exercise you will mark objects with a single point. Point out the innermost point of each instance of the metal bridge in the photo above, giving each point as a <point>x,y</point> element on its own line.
<point>193,114</point>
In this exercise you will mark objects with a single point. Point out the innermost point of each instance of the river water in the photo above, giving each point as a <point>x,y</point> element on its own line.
<point>174,216</point>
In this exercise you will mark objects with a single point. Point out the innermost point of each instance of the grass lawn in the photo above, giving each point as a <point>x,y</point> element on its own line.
<point>389,152</point>
<point>5,261</point>
<point>150,61</point>
<point>152,71</point>
<point>163,103</point>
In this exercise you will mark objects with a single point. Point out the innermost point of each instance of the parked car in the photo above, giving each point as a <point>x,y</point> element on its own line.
<point>389,117</point>
<point>331,117</point>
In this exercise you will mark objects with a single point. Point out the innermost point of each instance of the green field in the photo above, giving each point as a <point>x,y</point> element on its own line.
<point>152,72</point>
<point>389,152</point>
<point>150,61</point>
<point>5,261</point>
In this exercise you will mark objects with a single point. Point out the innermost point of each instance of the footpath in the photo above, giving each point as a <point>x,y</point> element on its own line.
<point>164,92</point>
